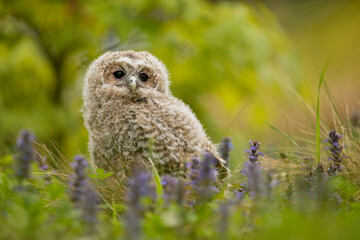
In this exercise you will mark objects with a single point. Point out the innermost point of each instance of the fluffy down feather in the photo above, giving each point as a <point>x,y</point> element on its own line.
<point>128,127</point>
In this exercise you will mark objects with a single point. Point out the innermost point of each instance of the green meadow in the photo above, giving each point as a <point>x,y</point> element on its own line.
<point>274,83</point>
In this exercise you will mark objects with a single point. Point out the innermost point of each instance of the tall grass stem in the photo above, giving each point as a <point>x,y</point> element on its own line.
<point>318,114</point>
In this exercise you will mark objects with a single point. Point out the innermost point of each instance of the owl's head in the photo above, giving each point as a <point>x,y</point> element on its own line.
<point>128,72</point>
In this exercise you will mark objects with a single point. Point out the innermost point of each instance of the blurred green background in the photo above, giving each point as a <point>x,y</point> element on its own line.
<point>236,63</point>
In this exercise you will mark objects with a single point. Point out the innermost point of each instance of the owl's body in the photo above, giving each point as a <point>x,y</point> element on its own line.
<point>132,117</point>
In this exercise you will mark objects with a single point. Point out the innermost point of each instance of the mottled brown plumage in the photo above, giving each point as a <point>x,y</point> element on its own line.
<point>131,119</point>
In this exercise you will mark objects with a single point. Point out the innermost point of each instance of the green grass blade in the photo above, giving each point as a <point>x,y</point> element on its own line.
<point>159,188</point>
<point>318,114</point>
<point>286,136</point>
<point>158,185</point>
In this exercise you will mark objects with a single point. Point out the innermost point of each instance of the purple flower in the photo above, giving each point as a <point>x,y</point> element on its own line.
<point>174,190</point>
<point>141,187</point>
<point>314,176</point>
<point>41,161</point>
<point>90,206</point>
<point>320,170</point>
<point>26,154</point>
<point>81,193</point>
<point>253,151</point>
<point>202,177</point>
<point>335,150</point>
<point>224,149</point>
<point>252,170</point>
<point>44,167</point>
<point>240,192</point>
<point>78,180</point>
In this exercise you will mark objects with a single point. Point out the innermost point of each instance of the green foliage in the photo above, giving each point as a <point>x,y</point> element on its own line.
<point>101,174</point>
<point>317,207</point>
<point>36,208</point>
<point>215,52</point>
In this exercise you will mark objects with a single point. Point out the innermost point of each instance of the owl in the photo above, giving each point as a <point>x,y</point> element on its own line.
<point>134,121</point>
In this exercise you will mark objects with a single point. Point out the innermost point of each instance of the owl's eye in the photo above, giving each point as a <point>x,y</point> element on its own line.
<point>144,77</point>
<point>119,74</point>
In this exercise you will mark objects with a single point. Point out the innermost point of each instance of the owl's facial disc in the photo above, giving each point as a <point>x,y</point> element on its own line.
<point>131,74</point>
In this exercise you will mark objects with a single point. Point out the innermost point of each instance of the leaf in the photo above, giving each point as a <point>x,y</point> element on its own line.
<point>101,174</point>
<point>159,188</point>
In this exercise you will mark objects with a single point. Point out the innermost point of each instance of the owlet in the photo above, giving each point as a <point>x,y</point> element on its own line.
<point>133,118</point>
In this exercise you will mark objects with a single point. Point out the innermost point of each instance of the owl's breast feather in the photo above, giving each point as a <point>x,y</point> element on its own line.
<point>165,122</point>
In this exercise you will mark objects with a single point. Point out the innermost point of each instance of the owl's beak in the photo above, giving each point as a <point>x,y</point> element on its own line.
<point>132,84</point>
